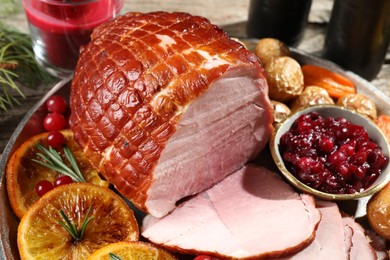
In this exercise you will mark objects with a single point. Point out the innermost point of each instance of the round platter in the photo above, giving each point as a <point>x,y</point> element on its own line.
<point>32,124</point>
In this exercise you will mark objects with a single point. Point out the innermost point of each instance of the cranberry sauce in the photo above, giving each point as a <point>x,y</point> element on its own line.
<point>331,154</point>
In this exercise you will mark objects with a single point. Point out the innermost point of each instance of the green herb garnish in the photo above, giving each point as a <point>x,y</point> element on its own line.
<point>52,160</point>
<point>17,65</point>
<point>72,229</point>
<point>114,256</point>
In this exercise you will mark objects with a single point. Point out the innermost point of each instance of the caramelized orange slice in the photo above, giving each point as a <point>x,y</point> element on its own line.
<point>22,174</point>
<point>41,236</point>
<point>131,251</point>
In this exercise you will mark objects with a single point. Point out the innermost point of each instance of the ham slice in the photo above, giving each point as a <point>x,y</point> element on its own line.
<point>165,105</point>
<point>378,244</point>
<point>361,248</point>
<point>329,240</point>
<point>251,213</point>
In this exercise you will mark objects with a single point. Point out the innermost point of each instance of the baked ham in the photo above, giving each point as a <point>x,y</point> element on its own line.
<point>165,105</point>
<point>251,214</point>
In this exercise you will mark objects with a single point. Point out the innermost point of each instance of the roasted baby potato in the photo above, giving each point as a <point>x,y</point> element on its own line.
<point>360,103</point>
<point>378,212</point>
<point>285,78</point>
<point>280,110</point>
<point>269,48</point>
<point>311,95</point>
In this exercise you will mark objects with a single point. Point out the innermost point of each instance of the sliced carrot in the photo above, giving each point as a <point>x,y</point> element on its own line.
<point>334,83</point>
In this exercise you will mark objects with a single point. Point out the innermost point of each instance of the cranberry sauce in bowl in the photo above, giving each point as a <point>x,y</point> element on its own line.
<point>331,152</point>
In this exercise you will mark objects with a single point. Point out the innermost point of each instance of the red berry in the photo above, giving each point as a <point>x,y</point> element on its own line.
<point>54,122</point>
<point>203,257</point>
<point>62,180</point>
<point>326,144</point>
<point>43,187</point>
<point>336,158</point>
<point>55,139</point>
<point>56,104</point>
<point>347,149</point>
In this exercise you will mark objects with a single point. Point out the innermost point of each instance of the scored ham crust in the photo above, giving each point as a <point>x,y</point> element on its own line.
<point>165,105</point>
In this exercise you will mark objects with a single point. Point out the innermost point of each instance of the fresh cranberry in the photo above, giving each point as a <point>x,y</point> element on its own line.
<point>292,158</point>
<point>343,170</point>
<point>56,104</point>
<point>326,144</point>
<point>203,257</point>
<point>347,149</point>
<point>54,122</point>
<point>336,158</point>
<point>43,187</point>
<point>359,158</point>
<point>376,159</point>
<point>62,180</point>
<point>55,139</point>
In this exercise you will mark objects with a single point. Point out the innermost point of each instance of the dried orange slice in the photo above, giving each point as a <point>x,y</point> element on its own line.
<point>41,236</point>
<point>131,251</point>
<point>22,174</point>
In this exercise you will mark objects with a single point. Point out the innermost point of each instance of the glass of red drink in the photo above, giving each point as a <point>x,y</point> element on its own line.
<point>59,28</point>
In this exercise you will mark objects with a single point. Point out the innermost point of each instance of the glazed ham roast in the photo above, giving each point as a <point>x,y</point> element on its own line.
<point>166,105</point>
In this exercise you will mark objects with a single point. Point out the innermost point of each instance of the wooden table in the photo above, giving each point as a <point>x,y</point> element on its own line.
<point>231,15</point>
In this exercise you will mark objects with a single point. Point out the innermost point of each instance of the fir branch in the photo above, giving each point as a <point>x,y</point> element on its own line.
<point>18,66</point>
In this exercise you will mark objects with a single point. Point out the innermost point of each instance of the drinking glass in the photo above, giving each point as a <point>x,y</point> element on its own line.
<point>59,28</point>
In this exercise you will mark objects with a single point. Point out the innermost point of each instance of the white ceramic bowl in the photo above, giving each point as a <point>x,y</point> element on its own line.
<point>332,111</point>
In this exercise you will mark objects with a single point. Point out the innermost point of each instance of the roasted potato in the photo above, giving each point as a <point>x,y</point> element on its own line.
<point>280,110</point>
<point>269,48</point>
<point>360,103</point>
<point>311,95</point>
<point>285,78</point>
<point>378,212</point>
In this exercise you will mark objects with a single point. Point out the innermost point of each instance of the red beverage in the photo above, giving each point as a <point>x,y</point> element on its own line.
<point>58,28</point>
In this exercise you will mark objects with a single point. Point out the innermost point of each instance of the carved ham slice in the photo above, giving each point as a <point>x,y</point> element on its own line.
<point>251,213</point>
<point>360,247</point>
<point>165,105</point>
<point>329,242</point>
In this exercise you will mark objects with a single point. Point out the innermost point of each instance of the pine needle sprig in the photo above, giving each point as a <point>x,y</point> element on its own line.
<point>52,160</point>
<point>18,66</point>
<point>76,234</point>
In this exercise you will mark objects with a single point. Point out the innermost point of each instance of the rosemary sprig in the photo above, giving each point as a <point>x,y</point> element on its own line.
<point>72,229</point>
<point>52,160</point>
<point>114,256</point>
<point>17,65</point>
